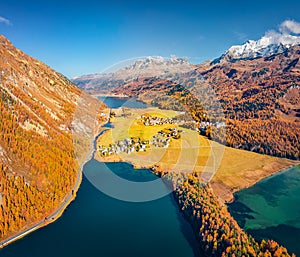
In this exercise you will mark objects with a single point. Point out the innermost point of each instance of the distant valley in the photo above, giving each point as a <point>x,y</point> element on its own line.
<point>247,99</point>
<point>257,85</point>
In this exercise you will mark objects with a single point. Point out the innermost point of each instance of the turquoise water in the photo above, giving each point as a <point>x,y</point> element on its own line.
<point>97,225</point>
<point>271,209</point>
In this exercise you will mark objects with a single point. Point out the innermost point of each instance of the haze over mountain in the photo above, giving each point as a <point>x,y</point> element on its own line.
<point>272,43</point>
<point>147,67</point>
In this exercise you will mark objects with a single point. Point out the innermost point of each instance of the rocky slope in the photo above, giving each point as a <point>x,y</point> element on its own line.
<point>41,110</point>
<point>147,67</point>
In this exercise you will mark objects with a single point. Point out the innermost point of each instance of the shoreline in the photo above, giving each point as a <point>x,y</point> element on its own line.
<point>269,176</point>
<point>272,166</point>
<point>110,95</point>
<point>227,197</point>
<point>56,215</point>
<point>69,198</point>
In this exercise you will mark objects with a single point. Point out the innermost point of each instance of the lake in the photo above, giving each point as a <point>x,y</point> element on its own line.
<point>271,209</point>
<point>97,225</point>
<point>117,102</point>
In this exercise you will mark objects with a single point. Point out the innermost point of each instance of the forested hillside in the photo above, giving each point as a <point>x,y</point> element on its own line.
<point>259,99</point>
<point>38,164</point>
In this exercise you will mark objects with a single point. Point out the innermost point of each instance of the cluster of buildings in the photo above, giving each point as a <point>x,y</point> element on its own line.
<point>128,145</point>
<point>192,124</point>
<point>202,126</point>
<point>159,141</point>
<point>154,121</point>
<point>163,137</point>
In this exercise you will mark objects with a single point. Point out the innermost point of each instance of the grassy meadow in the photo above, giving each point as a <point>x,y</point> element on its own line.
<point>227,169</point>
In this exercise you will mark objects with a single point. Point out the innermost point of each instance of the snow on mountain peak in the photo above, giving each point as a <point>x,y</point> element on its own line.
<point>263,47</point>
<point>273,42</point>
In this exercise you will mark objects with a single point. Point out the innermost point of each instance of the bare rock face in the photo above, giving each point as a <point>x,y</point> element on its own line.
<point>32,83</point>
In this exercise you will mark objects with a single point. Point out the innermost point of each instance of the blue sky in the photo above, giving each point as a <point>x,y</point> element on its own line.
<point>85,36</point>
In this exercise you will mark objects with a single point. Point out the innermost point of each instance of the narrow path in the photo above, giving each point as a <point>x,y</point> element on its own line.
<point>56,214</point>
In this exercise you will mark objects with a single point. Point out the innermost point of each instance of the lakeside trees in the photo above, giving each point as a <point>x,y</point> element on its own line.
<point>36,171</point>
<point>217,232</point>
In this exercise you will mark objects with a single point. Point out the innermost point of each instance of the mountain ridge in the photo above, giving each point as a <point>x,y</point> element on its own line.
<point>263,47</point>
<point>254,93</point>
<point>146,67</point>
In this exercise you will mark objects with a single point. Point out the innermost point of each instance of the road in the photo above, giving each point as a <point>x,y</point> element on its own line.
<point>52,217</point>
<point>56,214</point>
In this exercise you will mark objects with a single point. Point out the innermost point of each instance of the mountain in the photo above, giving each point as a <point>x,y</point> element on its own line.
<point>253,49</point>
<point>266,46</point>
<point>154,66</point>
<point>87,81</point>
<point>257,85</point>
<point>41,114</point>
<point>259,99</point>
<point>147,67</point>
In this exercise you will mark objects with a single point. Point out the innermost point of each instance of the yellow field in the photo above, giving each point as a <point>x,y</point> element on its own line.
<point>130,127</point>
<point>226,168</point>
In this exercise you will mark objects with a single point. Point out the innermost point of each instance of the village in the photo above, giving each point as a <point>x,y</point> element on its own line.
<point>161,139</point>
<point>198,126</point>
<point>127,145</point>
<point>154,121</point>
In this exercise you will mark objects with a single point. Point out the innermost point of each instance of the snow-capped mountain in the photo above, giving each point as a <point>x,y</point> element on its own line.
<point>252,49</point>
<point>271,43</point>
